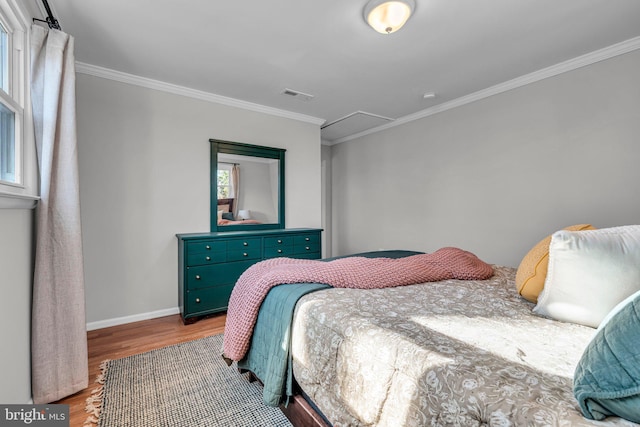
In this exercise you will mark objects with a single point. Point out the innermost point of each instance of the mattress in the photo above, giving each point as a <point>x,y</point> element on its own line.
<point>449,353</point>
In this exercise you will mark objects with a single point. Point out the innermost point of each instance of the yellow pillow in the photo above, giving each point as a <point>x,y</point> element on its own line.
<point>533,268</point>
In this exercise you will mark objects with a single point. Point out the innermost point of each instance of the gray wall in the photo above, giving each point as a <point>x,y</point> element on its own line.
<point>16,271</point>
<point>326,199</point>
<point>16,268</point>
<point>497,175</point>
<point>144,176</point>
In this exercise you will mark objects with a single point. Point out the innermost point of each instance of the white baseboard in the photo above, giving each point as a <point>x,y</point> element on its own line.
<point>130,319</point>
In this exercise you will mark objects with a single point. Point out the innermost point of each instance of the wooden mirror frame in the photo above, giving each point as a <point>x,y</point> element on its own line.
<point>229,147</point>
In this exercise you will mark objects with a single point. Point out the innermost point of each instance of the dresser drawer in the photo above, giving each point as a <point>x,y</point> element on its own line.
<point>304,248</point>
<point>216,274</point>
<point>206,246</point>
<point>278,241</point>
<point>242,244</point>
<point>208,300</point>
<point>274,252</point>
<point>306,239</point>
<point>245,254</point>
<point>203,258</point>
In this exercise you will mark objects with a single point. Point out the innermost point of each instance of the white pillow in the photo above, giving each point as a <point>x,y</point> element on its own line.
<point>589,273</point>
<point>618,308</point>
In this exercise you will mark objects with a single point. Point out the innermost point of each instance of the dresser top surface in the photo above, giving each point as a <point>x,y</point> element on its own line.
<point>244,233</point>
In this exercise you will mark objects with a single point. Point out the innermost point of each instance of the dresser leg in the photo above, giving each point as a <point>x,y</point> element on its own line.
<point>190,320</point>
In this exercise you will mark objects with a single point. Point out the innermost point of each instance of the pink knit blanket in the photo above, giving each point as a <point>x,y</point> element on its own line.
<point>352,272</point>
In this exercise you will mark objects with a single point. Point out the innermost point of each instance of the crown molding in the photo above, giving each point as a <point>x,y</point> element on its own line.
<point>554,70</point>
<point>106,73</point>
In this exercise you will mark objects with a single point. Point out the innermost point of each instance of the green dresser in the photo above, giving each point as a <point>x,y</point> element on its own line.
<point>209,264</point>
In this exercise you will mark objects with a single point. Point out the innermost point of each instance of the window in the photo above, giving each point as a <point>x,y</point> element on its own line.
<point>224,181</point>
<point>12,81</point>
<point>7,145</point>
<point>4,59</point>
<point>7,116</point>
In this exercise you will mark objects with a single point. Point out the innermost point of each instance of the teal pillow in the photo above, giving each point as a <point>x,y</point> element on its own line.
<point>607,379</point>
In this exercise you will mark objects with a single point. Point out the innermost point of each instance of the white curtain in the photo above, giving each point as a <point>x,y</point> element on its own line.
<point>235,188</point>
<point>58,338</point>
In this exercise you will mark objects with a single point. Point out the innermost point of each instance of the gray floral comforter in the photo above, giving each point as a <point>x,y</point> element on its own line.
<point>450,353</point>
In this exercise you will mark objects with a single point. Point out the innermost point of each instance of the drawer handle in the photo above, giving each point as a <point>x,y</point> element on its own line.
<point>307,248</point>
<point>208,258</point>
<point>307,239</point>
<point>279,241</point>
<point>245,254</point>
<point>245,244</point>
<point>279,251</point>
<point>197,277</point>
<point>207,247</point>
<point>197,300</point>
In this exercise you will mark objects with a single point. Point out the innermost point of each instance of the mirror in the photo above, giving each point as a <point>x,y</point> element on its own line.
<point>247,186</point>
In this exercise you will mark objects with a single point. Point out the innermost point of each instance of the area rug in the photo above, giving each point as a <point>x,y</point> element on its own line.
<point>184,385</point>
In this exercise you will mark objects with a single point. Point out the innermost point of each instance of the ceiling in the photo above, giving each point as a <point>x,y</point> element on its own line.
<point>253,50</point>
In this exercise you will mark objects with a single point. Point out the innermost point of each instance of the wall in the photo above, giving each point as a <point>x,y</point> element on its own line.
<point>497,175</point>
<point>326,200</point>
<point>16,272</point>
<point>144,176</point>
<point>16,257</point>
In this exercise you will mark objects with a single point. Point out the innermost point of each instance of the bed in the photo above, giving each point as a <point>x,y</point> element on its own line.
<point>445,353</point>
<point>226,217</point>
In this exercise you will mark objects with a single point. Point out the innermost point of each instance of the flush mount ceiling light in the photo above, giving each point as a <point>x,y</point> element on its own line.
<point>386,16</point>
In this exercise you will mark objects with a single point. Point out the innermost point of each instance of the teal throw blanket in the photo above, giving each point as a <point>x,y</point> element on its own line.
<point>269,356</point>
<point>607,378</point>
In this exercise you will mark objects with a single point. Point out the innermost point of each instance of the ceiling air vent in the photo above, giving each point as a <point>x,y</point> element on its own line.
<point>297,94</point>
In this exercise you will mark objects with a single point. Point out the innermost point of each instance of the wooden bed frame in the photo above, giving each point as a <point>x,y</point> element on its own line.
<point>229,202</point>
<point>302,414</point>
<point>299,412</point>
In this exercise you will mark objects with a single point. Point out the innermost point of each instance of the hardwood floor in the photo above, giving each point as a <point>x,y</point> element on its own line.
<point>133,338</point>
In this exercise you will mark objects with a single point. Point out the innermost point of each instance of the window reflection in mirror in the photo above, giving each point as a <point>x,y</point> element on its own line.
<point>247,189</point>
